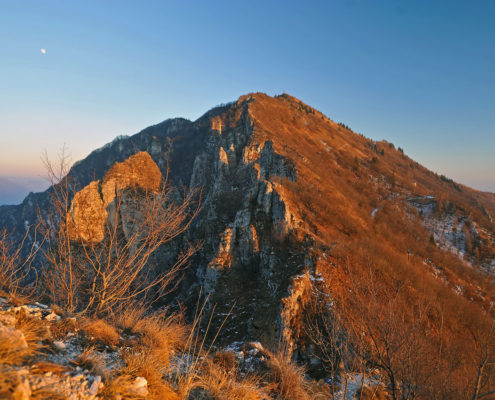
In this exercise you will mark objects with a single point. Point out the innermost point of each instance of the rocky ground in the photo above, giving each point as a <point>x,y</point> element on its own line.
<point>48,354</point>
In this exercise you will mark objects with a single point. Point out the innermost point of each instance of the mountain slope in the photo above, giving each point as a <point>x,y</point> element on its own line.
<point>295,204</point>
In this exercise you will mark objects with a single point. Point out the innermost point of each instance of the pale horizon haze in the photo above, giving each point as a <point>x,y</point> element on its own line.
<point>417,74</point>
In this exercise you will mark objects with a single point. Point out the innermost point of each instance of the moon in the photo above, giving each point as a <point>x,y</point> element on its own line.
<point>43,51</point>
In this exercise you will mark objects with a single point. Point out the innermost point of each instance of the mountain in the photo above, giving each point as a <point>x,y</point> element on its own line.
<point>14,189</point>
<point>296,207</point>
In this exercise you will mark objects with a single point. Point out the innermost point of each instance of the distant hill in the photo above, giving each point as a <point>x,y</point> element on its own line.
<point>14,189</point>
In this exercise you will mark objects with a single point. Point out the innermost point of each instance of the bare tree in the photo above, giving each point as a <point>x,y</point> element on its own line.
<point>326,333</point>
<point>85,275</point>
<point>17,273</point>
<point>484,360</point>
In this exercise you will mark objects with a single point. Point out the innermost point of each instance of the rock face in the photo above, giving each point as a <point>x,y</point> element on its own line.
<point>89,207</point>
<point>281,184</point>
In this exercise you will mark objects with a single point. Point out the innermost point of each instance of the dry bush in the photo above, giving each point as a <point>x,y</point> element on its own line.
<point>18,278</point>
<point>99,330</point>
<point>101,275</point>
<point>93,361</point>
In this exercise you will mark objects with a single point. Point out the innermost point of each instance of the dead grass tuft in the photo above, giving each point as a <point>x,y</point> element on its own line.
<point>289,378</point>
<point>19,342</point>
<point>374,393</point>
<point>144,362</point>
<point>100,331</point>
<point>223,384</point>
<point>46,394</point>
<point>43,367</point>
<point>164,335</point>
<point>59,329</point>
<point>225,359</point>
<point>127,318</point>
<point>18,299</point>
<point>93,361</point>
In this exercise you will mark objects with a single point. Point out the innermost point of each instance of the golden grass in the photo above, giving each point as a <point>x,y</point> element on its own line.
<point>17,299</point>
<point>163,335</point>
<point>8,382</point>
<point>288,377</point>
<point>46,394</point>
<point>93,361</point>
<point>19,342</point>
<point>143,362</point>
<point>128,317</point>
<point>223,384</point>
<point>374,393</point>
<point>59,329</point>
<point>43,367</point>
<point>100,331</point>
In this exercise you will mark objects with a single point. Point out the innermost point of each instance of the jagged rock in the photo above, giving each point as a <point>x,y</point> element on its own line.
<point>89,208</point>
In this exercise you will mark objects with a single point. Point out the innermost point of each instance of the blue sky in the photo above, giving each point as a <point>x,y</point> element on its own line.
<point>417,73</point>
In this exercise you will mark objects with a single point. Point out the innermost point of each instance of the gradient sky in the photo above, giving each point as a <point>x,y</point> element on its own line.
<point>417,73</point>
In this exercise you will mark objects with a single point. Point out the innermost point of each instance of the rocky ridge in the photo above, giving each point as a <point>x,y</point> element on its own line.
<point>289,198</point>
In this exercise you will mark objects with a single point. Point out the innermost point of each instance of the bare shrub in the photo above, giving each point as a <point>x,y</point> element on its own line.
<point>18,278</point>
<point>97,276</point>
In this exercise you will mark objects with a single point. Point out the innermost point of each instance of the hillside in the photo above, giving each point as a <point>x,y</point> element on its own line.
<point>308,235</point>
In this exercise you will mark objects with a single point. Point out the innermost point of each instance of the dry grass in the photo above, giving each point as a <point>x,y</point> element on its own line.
<point>128,317</point>
<point>163,335</point>
<point>289,378</point>
<point>100,331</point>
<point>374,393</point>
<point>43,367</point>
<point>8,382</point>
<point>143,362</point>
<point>46,394</point>
<point>59,329</point>
<point>93,361</point>
<point>224,384</point>
<point>19,342</point>
<point>18,299</point>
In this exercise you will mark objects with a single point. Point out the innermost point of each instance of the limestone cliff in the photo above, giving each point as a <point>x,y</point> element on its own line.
<point>88,213</point>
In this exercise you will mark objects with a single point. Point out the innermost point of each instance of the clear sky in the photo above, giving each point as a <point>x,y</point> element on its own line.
<point>417,73</point>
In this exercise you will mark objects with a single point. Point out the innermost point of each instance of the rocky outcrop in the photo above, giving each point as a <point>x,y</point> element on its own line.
<point>88,214</point>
